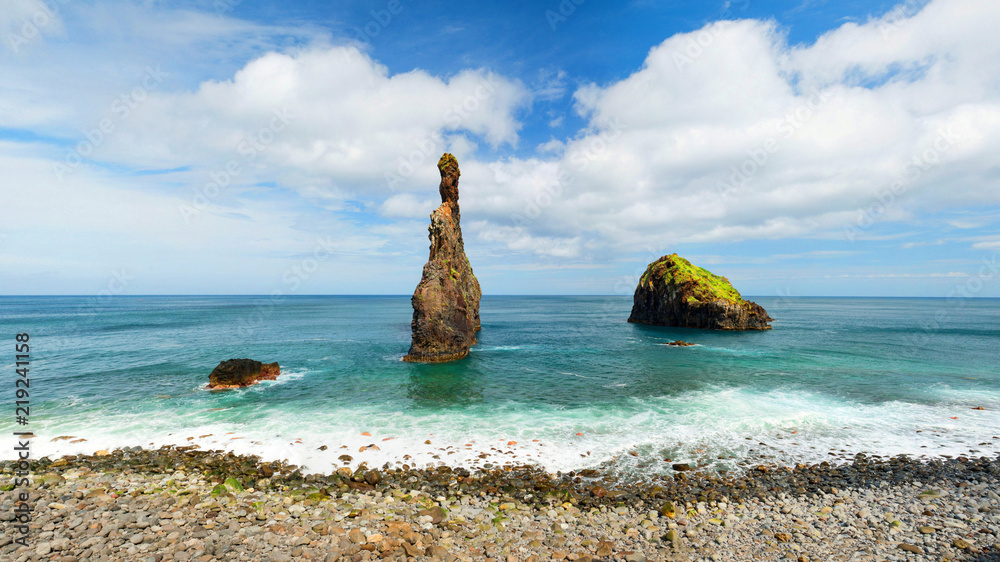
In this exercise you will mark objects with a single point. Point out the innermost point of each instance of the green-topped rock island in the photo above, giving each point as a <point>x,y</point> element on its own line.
<point>673,292</point>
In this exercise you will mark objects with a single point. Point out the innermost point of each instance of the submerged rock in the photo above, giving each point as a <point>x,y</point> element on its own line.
<point>236,373</point>
<point>446,302</point>
<point>672,292</point>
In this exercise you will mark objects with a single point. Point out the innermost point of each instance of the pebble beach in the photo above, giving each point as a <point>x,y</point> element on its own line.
<point>181,503</point>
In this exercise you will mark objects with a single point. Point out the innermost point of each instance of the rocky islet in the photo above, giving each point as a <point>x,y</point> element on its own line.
<point>446,301</point>
<point>238,373</point>
<point>673,292</point>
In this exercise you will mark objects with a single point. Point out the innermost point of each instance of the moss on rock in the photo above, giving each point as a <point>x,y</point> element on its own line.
<point>674,292</point>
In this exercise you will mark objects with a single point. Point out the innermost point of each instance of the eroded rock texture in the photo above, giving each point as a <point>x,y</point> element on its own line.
<point>236,373</point>
<point>446,302</point>
<point>672,292</point>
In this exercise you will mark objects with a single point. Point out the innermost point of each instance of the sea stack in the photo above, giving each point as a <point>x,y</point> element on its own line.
<point>446,302</point>
<point>672,292</point>
<point>237,373</point>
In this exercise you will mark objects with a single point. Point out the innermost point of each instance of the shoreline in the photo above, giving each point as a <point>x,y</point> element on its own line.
<point>572,450</point>
<point>142,503</point>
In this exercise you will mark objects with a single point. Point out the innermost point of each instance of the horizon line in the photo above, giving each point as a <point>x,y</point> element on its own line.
<point>263,295</point>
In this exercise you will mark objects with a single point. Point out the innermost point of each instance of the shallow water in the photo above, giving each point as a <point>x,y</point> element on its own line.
<point>562,381</point>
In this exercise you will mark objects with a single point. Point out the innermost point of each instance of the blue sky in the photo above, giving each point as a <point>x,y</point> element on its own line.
<point>225,147</point>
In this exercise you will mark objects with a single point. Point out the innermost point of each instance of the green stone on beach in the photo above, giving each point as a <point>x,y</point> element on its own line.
<point>233,485</point>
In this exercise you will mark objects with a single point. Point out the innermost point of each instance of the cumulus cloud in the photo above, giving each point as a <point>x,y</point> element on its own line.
<point>294,141</point>
<point>326,118</point>
<point>725,133</point>
<point>406,205</point>
<point>731,133</point>
<point>62,83</point>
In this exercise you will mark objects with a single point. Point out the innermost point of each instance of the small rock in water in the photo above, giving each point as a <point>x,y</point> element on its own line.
<point>236,373</point>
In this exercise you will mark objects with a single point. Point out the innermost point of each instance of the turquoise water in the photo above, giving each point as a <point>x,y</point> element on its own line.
<point>561,381</point>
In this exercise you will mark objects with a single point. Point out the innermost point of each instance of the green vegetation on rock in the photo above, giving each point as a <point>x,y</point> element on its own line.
<point>447,163</point>
<point>704,285</point>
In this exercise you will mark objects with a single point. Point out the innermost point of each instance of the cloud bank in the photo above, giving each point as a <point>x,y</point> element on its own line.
<point>267,138</point>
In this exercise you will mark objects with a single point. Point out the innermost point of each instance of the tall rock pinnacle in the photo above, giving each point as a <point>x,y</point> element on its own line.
<point>446,302</point>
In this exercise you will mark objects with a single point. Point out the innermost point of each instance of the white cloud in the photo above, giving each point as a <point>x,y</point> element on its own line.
<point>551,146</point>
<point>987,245</point>
<point>59,86</point>
<point>517,239</point>
<point>67,236</point>
<point>727,133</point>
<point>730,133</point>
<point>550,85</point>
<point>24,21</point>
<point>407,205</point>
<point>909,245</point>
<point>349,122</point>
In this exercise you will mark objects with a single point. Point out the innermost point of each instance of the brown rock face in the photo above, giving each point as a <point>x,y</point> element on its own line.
<point>446,302</point>
<point>236,373</point>
<point>673,292</point>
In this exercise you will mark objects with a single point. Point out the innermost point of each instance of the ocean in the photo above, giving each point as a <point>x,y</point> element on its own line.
<point>562,382</point>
